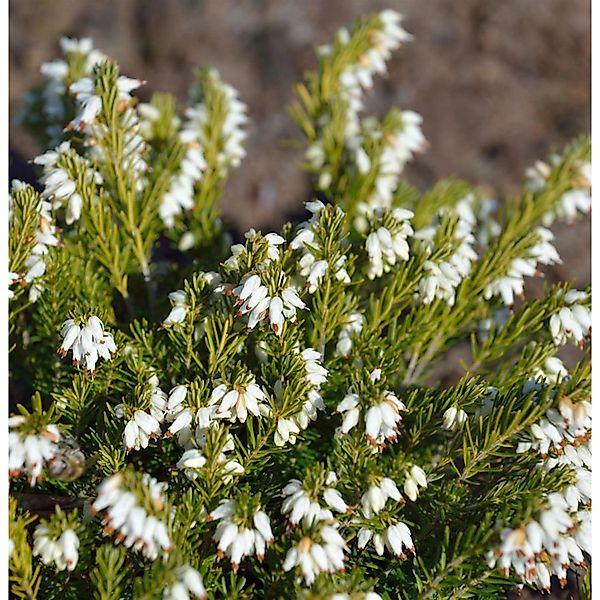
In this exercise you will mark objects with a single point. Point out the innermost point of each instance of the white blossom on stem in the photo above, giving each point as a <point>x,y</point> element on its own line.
<point>319,552</point>
<point>62,550</point>
<point>87,341</point>
<point>31,452</point>
<point>188,581</point>
<point>573,321</point>
<point>125,517</point>
<point>237,401</point>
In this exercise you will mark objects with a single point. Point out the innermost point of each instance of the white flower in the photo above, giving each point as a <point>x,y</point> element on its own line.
<point>125,517</point>
<point>239,540</point>
<point>287,430</point>
<point>194,459</point>
<point>62,551</point>
<point>454,418</point>
<point>235,402</point>
<point>399,148</point>
<point>381,420</point>
<point>545,546</point>
<point>315,275</point>
<point>188,581</point>
<point>299,505</point>
<point>181,193</point>
<point>306,241</point>
<point>253,299</point>
<point>352,327</point>
<point>577,199</point>
<point>86,341</point>
<point>30,452</point>
<point>179,311</point>
<point>56,73</point>
<point>442,277</point>
<point>288,427</point>
<point>385,36</point>
<point>140,430</point>
<point>349,407</point>
<point>315,372</point>
<point>415,479</point>
<point>396,538</point>
<point>512,284</point>
<point>374,499</point>
<point>84,91</point>
<point>46,236</point>
<point>387,245</point>
<point>334,500</point>
<point>573,321</point>
<point>191,461</point>
<point>322,552</point>
<point>199,126</point>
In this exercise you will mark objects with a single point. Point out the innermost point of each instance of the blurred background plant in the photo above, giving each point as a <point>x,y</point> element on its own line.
<point>499,84</point>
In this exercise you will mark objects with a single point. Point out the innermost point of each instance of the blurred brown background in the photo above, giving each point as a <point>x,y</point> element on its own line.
<point>499,84</point>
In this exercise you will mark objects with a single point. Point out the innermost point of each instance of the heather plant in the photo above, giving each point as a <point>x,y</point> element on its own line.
<point>193,417</point>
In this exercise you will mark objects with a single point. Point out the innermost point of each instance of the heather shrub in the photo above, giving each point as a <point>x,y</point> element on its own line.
<point>194,415</point>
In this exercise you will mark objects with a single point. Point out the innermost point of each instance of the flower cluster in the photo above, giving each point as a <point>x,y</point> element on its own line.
<point>545,546</point>
<point>381,418</point>
<point>62,551</point>
<point>442,277</point>
<point>392,534</point>
<point>306,240</point>
<point>60,180</point>
<point>31,452</point>
<point>315,375</point>
<point>573,321</point>
<point>577,199</point>
<point>396,538</point>
<point>46,236</point>
<point>454,418</point>
<point>181,193</point>
<point>48,108</point>
<point>187,581</point>
<point>235,402</point>
<point>512,284</point>
<point>565,432</point>
<point>387,242</point>
<point>187,421</point>
<point>90,102</point>
<point>133,510</point>
<point>87,341</point>
<point>352,327</point>
<point>320,552</point>
<point>243,529</point>
<point>384,35</point>
<point>399,146</point>
<point>194,458</point>
<point>358,76</point>
<point>255,300</point>
<point>374,499</point>
<point>556,540</point>
<point>144,424</point>
<point>230,134</point>
<point>302,500</point>
<point>192,424</point>
<point>415,479</point>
